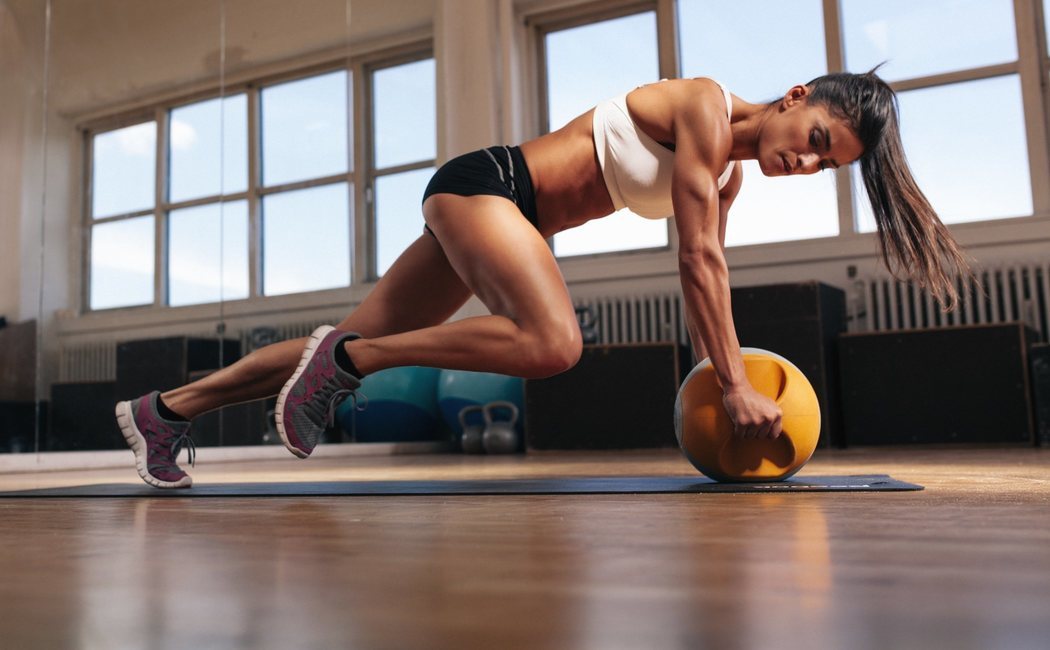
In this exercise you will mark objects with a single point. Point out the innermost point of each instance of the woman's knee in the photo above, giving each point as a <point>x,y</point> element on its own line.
<point>554,351</point>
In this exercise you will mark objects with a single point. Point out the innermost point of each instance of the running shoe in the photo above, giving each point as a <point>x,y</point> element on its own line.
<point>307,403</point>
<point>155,441</point>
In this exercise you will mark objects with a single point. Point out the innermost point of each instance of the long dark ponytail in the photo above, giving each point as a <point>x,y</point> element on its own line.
<point>914,243</point>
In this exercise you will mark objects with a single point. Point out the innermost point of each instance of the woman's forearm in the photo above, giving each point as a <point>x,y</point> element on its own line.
<point>705,288</point>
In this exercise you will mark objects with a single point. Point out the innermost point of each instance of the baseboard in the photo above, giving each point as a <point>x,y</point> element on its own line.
<point>52,461</point>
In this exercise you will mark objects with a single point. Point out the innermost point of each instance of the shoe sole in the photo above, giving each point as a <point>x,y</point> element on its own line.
<point>137,442</point>
<point>278,414</point>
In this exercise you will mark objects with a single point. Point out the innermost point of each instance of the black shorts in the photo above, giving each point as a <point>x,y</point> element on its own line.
<point>497,171</point>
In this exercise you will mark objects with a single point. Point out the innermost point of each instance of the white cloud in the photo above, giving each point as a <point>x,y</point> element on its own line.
<point>183,135</point>
<point>878,33</point>
<point>138,140</point>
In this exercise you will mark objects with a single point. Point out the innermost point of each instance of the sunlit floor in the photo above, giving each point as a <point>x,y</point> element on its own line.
<point>963,564</point>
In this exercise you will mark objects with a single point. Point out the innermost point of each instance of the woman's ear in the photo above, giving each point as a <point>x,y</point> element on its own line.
<point>796,95</point>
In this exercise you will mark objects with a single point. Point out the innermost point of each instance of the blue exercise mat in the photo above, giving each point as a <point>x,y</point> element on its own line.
<point>601,485</point>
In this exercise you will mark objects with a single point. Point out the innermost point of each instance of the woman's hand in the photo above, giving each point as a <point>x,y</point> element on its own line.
<point>753,414</point>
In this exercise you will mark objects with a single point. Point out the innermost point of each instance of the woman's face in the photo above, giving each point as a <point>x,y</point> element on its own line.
<point>803,138</point>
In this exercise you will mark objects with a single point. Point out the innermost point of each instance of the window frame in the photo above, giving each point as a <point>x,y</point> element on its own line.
<point>359,174</point>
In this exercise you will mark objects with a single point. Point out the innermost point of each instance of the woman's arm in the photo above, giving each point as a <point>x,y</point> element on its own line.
<point>726,196</point>
<point>705,288</point>
<point>702,143</point>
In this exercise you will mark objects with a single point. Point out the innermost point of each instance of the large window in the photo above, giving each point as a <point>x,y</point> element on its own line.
<point>585,65</point>
<point>961,110</point>
<point>180,214</point>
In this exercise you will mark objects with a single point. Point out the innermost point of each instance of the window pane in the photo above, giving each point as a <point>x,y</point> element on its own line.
<point>306,240</point>
<point>782,209</point>
<point>122,263</point>
<point>123,171</point>
<point>930,37</point>
<point>969,157</point>
<point>194,137</point>
<point>405,118</point>
<point>763,64</point>
<point>399,217</point>
<point>586,65</point>
<point>622,231</point>
<point>194,262</point>
<point>767,209</point>
<point>304,126</point>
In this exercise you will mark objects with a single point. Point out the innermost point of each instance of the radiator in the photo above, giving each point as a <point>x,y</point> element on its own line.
<point>97,361</point>
<point>88,362</point>
<point>1017,292</point>
<point>655,318</point>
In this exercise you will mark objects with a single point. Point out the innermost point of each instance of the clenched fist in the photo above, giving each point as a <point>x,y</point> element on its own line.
<point>753,414</point>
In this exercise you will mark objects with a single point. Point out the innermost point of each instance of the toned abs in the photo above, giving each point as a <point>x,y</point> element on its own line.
<point>566,177</point>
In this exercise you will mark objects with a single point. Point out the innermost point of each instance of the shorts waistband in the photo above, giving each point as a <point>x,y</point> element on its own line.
<point>518,179</point>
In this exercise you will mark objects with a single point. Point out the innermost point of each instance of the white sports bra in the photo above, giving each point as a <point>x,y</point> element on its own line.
<point>637,169</point>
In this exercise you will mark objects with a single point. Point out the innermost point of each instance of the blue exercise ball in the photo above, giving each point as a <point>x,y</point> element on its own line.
<point>400,405</point>
<point>457,389</point>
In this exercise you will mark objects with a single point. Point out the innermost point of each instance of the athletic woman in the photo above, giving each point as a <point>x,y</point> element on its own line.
<point>668,148</point>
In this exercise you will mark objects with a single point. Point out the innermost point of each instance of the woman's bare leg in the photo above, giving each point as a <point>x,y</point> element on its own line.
<point>420,289</point>
<point>500,256</point>
<point>487,247</point>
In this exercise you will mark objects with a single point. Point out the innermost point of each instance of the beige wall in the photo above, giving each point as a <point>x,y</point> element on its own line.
<point>108,52</point>
<point>12,108</point>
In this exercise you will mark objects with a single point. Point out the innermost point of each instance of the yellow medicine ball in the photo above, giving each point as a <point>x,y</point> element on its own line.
<point>705,432</point>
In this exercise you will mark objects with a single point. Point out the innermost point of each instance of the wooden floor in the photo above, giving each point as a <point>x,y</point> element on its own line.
<point>963,564</point>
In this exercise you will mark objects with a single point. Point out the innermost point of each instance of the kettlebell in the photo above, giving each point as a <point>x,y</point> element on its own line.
<point>588,324</point>
<point>499,436</point>
<point>470,440</point>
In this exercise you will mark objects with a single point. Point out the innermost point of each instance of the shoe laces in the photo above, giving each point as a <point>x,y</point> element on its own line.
<point>178,441</point>
<point>184,440</point>
<point>327,400</point>
<point>338,397</point>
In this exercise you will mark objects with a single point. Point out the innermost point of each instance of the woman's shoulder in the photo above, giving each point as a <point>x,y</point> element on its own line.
<point>691,108</point>
<point>696,117</point>
<point>698,97</point>
<point>696,86</point>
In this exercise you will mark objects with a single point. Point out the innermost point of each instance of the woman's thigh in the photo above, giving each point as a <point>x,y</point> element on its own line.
<point>502,259</point>
<point>420,289</point>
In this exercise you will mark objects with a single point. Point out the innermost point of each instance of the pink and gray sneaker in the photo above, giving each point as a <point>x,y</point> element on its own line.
<point>307,403</point>
<point>155,441</point>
